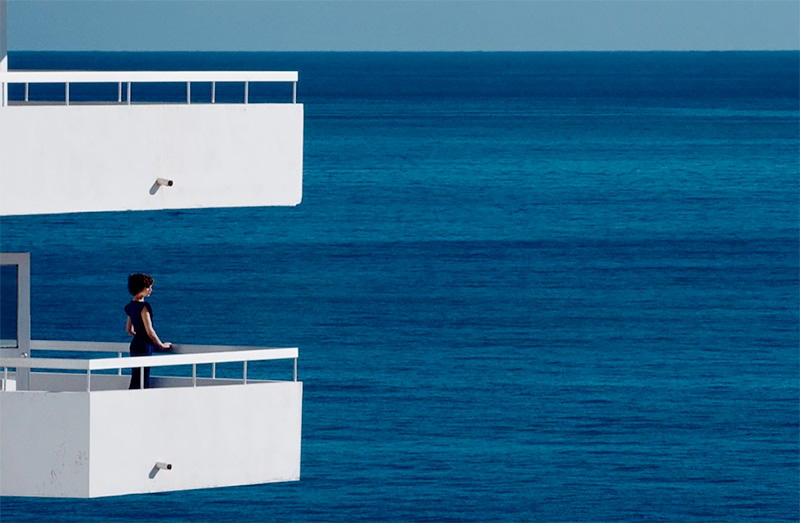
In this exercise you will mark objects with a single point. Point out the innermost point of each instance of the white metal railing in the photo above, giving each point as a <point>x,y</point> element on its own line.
<point>128,78</point>
<point>181,355</point>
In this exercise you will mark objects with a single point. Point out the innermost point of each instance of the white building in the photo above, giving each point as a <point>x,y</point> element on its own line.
<point>70,427</point>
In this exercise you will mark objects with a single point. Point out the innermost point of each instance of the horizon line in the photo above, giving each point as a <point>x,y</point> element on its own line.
<point>10,51</point>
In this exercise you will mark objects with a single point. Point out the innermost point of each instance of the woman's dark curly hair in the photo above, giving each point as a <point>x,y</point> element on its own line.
<point>138,282</point>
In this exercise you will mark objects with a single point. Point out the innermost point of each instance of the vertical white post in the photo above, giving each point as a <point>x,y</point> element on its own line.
<point>246,91</point>
<point>244,372</point>
<point>213,92</point>
<point>294,92</point>
<point>66,92</point>
<point>119,92</point>
<point>129,93</point>
<point>188,93</point>
<point>24,318</point>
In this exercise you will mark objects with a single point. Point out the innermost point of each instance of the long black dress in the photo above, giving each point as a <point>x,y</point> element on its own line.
<point>141,345</point>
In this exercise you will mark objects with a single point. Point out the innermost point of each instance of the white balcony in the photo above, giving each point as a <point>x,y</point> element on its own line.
<point>77,431</point>
<point>61,156</point>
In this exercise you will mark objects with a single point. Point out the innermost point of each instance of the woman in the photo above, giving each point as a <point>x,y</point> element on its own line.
<point>140,326</point>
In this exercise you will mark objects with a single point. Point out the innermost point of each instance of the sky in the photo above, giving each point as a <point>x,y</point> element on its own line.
<point>402,25</point>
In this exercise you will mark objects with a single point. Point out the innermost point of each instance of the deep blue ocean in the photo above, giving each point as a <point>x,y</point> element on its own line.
<point>526,287</point>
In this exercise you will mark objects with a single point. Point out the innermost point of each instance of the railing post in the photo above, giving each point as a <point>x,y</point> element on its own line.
<point>194,374</point>
<point>188,93</point>
<point>129,93</point>
<point>294,92</point>
<point>213,92</point>
<point>88,380</point>
<point>244,377</point>
<point>27,89</point>
<point>246,91</point>
<point>66,92</point>
<point>213,370</point>
<point>294,374</point>
<point>119,355</point>
<point>5,377</point>
<point>119,92</point>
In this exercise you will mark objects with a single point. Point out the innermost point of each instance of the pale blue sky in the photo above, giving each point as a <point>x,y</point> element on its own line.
<point>401,25</point>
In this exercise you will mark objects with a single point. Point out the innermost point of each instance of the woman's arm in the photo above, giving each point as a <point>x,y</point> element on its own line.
<point>129,327</point>
<point>148,326</point>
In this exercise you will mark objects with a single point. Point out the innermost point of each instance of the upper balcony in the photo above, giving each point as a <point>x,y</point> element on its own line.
<point>82,141</point>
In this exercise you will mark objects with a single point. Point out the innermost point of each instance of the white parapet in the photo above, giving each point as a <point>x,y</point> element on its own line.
<point>107,443</point>
<point>62,157</point>
<point>72,436</point>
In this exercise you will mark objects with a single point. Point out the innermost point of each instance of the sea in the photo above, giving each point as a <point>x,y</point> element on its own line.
<point>530,287</point>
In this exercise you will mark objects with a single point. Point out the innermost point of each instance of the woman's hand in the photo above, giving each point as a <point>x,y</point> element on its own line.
<point>166,346</point>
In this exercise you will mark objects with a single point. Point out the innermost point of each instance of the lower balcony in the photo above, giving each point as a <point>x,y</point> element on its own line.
<point>78,431</point>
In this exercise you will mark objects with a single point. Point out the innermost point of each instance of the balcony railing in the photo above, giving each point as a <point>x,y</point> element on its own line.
<point>181,355</point>
<point>126,80</point>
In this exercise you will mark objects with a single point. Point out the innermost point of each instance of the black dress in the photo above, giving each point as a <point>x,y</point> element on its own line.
<point>141,345</point>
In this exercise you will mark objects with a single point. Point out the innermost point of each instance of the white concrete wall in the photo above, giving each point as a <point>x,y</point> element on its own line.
<point>56,159</point>
<point>76,382</point>
<point>212,436</point>
<point>44,444</point>
<point>106,443</point>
